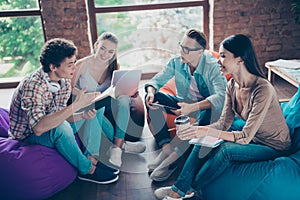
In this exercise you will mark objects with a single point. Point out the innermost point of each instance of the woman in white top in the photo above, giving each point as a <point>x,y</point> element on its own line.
<point>95,73</point>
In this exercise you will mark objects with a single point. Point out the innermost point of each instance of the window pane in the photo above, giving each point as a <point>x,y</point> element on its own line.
<point>21,39</point>
<point>18,4</point>
<point>147,39</point>
<point>99,3</point>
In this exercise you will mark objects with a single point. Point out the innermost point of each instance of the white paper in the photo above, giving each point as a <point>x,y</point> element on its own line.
<point>108,92</point>
<point>285,64</point>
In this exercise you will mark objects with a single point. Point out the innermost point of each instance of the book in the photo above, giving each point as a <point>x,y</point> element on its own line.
<point>110,91</point>
<point>207,141</point>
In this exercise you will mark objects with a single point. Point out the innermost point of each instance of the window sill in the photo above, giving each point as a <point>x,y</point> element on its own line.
<point>10,82</point>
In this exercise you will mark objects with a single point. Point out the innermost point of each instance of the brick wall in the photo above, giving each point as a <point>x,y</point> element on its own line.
<point>269,23</point>
<point>67,19</point>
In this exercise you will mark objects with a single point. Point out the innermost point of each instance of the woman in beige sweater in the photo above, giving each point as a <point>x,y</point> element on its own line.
<point>252,98</point>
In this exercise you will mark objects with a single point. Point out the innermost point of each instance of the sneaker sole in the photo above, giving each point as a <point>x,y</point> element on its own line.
<point>167,189</point>
<point>114,164</point>
<point>98,182</point>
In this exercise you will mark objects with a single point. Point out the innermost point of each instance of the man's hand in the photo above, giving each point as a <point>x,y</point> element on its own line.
<point>84,99</point>
<point>150,97</point>
<point>185,108</point>
<point>89,114</point>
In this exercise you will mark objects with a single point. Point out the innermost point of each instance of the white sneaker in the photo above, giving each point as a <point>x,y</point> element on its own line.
<point>157,161</point>
<point>134,147</point>
<point>165,169</point>
<point>162,193</point>
<point>115,156</point>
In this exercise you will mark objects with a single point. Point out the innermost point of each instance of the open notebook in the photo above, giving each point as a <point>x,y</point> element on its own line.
<point>207,141</point>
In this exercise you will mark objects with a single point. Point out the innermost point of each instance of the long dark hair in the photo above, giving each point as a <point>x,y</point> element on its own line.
<point>241,46</point>
<point>113,63</point>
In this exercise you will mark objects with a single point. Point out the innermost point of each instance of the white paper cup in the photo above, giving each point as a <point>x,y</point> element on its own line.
<point>182,122</point>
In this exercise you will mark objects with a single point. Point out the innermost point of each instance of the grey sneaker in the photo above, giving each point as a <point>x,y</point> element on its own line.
<point>165,169</point>
<point>162,193</point>
<point>157,161</point>
<point>134,147</point>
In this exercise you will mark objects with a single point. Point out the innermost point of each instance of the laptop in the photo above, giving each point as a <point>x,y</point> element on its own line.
<point>124,82</point>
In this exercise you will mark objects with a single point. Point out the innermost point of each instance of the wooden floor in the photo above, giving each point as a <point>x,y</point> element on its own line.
<point>134,182</point>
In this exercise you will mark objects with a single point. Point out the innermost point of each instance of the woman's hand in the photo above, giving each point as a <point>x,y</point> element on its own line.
<point>89,114</point>
<point>192,132</point>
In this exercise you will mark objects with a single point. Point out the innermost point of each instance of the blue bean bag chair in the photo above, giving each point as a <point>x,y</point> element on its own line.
<point>30,171</point>
<point>269,180</point>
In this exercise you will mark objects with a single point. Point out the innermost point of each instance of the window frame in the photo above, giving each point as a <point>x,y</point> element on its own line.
<point>93,11</point>
<point>14,81</point>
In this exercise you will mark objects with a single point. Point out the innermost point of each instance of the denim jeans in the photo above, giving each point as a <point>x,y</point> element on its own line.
<point>198,172</point>
<point>62,138</point>
<point>90,132</point>
<point>158,121</point>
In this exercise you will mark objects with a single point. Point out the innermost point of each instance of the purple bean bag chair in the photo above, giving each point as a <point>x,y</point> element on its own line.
<point>30,171</point>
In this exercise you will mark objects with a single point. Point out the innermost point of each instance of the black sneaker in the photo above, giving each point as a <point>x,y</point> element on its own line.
<point>100,176</point>
<point>107,168</point>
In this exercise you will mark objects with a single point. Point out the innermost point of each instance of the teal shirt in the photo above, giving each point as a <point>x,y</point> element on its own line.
<point>210,82</point>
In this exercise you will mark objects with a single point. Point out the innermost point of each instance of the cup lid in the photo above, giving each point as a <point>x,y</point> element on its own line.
<point>182,119</point>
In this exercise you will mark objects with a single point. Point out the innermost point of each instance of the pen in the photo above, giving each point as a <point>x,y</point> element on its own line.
<point>172,129</point>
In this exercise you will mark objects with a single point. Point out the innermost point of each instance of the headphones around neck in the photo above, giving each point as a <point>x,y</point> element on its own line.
<point>53,86</point>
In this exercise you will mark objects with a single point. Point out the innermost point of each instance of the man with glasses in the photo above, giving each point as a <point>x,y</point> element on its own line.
<point>200,89</point>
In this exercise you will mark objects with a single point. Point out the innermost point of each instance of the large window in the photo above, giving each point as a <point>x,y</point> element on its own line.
<point>21,37</point>
<point>148,30</point>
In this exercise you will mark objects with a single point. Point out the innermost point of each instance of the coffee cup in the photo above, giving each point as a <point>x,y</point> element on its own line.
<point>182,122</point>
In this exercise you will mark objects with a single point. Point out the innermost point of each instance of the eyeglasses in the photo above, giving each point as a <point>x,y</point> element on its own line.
<point>187,50</point>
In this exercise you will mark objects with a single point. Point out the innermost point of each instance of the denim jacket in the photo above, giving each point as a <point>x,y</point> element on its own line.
<point>210,82</point>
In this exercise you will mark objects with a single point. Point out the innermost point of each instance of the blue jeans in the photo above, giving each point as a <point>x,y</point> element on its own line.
<point>62,138</point>
<point>90,132</point>
<point>158,122</point>
<point>198,172</point>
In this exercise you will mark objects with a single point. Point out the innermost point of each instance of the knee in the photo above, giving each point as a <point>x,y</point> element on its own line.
<point>63,130</point>
<point>124,100</point>
<point>225,151</point>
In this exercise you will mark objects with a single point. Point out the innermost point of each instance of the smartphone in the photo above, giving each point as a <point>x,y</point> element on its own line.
<point>163,106</point>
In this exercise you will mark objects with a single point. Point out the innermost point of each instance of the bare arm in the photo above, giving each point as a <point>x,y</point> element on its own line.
<point>187,108</point>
